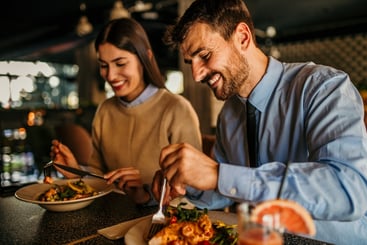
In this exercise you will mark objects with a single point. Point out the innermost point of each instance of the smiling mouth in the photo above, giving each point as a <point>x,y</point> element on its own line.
<point>214,79</point>
<point>117,84</point>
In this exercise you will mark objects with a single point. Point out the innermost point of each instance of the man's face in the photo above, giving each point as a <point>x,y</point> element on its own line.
<point>214,61</point>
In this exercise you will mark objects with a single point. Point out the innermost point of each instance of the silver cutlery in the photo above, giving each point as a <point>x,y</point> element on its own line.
<point>81,173</point>
<point>158,219</point>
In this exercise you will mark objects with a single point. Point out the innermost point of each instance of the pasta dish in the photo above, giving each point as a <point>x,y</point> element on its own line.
<point>194,227</point>
<point>71,191</point>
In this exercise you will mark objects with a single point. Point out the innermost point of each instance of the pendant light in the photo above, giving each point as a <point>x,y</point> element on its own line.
<point>119,11</point>
<point>141,6</point>
<point>84,27</point>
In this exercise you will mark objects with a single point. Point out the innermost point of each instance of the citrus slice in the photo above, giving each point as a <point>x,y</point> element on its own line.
<point>75,187</point>
<point>292,216</point>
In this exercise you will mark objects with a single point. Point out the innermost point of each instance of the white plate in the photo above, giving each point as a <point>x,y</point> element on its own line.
<point>31,193</point>
<point>136,233</point>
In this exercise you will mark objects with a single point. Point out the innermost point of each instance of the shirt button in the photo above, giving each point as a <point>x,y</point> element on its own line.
<point>233,191</point>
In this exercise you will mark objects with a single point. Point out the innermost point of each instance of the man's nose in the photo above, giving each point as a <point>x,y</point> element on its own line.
<point>199,71</point>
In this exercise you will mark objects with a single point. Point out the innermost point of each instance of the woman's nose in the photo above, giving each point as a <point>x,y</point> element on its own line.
<point>111,74</point>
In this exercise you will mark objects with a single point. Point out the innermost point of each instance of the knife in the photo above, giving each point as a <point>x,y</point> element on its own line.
<point>83,173</point>
<point>79,172</point>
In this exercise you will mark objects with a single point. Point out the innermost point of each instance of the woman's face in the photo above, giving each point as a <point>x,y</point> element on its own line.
<point>122,70</point>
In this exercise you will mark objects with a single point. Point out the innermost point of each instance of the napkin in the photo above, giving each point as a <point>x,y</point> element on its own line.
<point>118,231</point>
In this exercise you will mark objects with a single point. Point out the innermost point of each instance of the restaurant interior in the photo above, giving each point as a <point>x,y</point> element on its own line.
<point>49,76</point>
<point>50,88</point>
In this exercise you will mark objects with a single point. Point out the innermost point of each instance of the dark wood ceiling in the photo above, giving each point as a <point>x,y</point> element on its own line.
<point>300,19</point>
<point>41,29</point>
<point>45,30</point>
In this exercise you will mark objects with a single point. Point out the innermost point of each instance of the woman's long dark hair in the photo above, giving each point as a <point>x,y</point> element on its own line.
<point>129,35</point>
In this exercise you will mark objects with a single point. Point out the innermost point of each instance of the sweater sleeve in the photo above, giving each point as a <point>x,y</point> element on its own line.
<point>184,123</point>
<point>96,162</point>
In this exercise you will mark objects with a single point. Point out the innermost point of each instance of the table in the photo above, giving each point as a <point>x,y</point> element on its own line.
<point>26,223</point>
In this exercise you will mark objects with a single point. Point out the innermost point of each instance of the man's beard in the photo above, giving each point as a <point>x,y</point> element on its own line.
<point>234,75</point>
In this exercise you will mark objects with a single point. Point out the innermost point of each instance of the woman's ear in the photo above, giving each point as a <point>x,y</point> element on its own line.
<point>150,53</point>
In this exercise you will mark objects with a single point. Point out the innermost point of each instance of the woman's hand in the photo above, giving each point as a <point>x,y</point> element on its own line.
<point>129,180</point>
<point>62,154</point>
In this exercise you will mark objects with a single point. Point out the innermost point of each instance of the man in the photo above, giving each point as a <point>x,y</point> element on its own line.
<point>309,117</point>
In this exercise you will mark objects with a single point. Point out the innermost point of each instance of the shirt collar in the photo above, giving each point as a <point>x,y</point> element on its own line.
<point>146,94</point>
<point>260,96</point>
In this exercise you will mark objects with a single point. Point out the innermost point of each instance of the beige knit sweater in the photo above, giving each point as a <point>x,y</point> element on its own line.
<point>134,137</point>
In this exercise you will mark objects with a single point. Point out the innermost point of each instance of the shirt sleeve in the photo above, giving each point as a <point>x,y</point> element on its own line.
<point>207,199</point>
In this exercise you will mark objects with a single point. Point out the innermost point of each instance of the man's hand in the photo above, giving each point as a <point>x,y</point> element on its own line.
<point>157,188</point>
<point>183,165</point>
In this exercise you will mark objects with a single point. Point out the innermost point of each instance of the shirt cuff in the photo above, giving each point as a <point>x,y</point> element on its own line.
<point>235,181</point>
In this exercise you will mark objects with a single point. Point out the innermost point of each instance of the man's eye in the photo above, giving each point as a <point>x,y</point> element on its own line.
<point>205,56</point>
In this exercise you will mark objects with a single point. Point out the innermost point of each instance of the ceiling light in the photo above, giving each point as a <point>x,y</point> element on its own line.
<point>150,15</point>
<point>119,11</point>
<point>140,6</point>
<point>270,32</point>
<point>84,27</point>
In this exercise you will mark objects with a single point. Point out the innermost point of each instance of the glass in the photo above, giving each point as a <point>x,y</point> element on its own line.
<point>251,233</point>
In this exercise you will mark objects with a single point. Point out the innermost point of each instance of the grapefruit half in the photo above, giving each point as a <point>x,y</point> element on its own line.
<point>292,216</point>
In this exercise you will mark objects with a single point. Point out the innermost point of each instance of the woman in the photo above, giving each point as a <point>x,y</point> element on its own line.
<point>130,129</point>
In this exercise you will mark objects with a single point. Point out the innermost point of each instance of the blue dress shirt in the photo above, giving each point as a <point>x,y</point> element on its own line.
<point>311,117</point>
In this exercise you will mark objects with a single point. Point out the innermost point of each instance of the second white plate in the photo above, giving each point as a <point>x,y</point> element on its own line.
<point>136,233</point>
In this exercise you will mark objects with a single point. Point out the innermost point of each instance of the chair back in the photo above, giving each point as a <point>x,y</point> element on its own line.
<point>78,139</point>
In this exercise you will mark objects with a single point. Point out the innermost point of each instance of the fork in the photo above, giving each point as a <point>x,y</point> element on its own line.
<point>158,219</point>
<point>47,168</point>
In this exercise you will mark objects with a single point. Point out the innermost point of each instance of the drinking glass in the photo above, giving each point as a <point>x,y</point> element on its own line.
<point>252,233</point>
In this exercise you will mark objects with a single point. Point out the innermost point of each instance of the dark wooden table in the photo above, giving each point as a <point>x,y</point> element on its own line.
<point>26,223</point>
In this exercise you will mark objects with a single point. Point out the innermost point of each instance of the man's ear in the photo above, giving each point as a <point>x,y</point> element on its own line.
<point>243,35</point>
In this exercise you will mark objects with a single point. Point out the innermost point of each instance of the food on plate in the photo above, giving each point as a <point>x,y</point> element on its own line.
<point>48,180</point>
<point>71,191</point>
<point>193,226</point>
<point>292,216</point>
<point>185,232</point>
